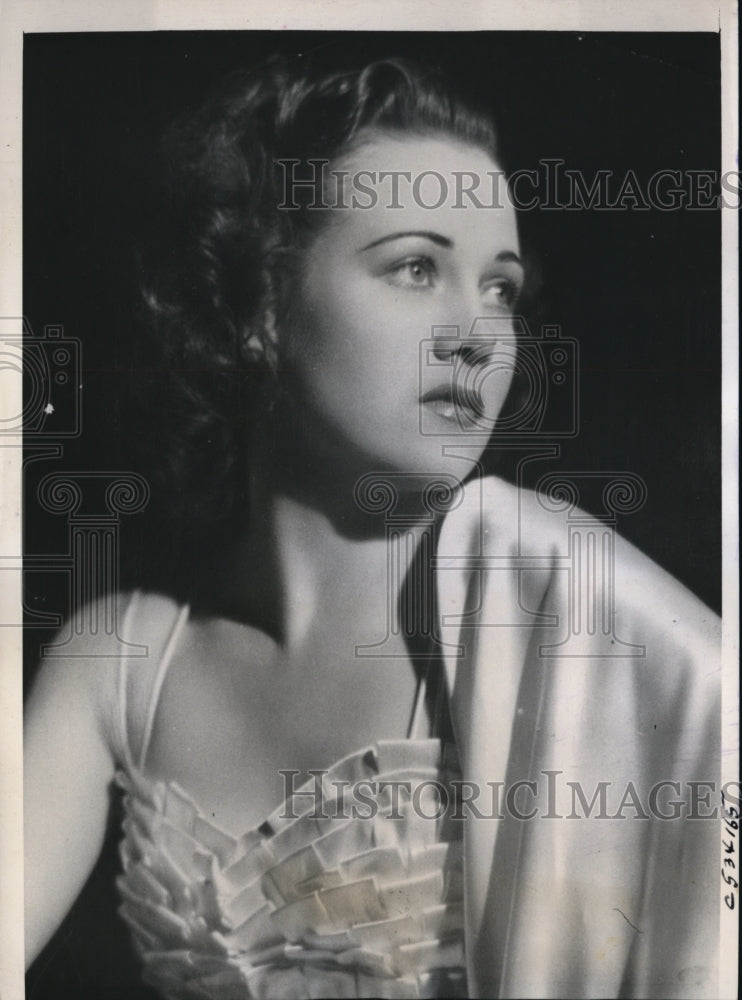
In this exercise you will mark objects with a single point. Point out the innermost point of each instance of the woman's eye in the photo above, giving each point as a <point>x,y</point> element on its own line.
<point>417,272</point>
<point>501,294</point>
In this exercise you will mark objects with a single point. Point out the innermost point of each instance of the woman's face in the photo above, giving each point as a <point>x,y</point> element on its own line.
<point>391,350</point>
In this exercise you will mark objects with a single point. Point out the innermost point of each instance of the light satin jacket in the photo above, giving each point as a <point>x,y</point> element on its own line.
<point>574,661</point>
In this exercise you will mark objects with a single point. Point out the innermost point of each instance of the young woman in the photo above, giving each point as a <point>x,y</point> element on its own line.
<point>344,753</point>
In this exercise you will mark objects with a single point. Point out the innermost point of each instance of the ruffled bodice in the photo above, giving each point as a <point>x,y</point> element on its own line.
<point>352,888</point>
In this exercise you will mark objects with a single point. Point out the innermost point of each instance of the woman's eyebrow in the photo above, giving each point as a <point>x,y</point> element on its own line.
<point>442,241</point>
<point>508,257</point>
<point>505,256</point>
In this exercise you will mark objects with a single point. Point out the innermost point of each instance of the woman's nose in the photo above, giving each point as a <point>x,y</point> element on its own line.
<point>474,342</point>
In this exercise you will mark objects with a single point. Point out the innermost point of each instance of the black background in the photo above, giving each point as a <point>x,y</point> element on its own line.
<point>640,291</point>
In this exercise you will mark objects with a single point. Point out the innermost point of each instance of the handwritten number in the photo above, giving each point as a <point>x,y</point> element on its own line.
<point>731,825</point>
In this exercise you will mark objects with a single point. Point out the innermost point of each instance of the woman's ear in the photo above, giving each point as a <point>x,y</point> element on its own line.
<point>258,341</point>
<point>252,346</point>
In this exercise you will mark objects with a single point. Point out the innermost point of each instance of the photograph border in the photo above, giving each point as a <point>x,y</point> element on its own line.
<point>29,16</point>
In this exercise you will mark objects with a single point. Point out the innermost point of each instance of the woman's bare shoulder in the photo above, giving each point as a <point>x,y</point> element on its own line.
<point>106,648</point>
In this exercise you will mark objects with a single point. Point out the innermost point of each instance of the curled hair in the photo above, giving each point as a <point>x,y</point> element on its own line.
<point>222,253</point>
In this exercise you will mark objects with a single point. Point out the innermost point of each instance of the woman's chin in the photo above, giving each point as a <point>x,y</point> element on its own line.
<point>414,469</point>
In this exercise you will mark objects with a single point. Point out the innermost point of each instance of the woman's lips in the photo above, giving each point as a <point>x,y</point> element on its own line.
<point>460,405</point>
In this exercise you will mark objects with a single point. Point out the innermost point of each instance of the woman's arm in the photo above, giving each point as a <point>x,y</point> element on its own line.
<point>68,767</point>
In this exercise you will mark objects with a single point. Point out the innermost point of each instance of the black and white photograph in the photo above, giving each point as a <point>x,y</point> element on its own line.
<point>372,555</point>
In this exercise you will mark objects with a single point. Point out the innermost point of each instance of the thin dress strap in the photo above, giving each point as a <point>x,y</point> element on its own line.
<point>123,686</point>
<point>418,707</point>
<point>431,694</point>
<point>156,688</point>
<point>154,696</point>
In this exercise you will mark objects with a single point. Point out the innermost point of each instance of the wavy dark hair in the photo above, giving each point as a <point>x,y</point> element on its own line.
<point>222,253</point>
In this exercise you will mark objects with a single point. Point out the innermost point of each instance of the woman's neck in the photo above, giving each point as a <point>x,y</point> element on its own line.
<point>312,548</point>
